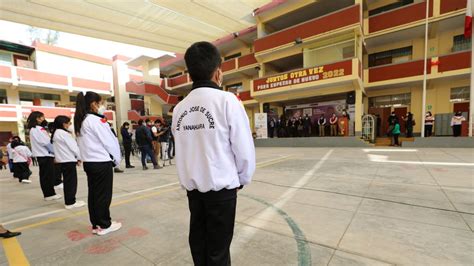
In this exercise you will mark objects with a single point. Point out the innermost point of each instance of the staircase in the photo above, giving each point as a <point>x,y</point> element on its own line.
<point>385,141</point>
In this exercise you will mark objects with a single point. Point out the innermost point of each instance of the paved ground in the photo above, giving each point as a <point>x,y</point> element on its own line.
<point>306,206</point>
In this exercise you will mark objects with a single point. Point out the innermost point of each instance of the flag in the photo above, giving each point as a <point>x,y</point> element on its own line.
<point>468,20</point>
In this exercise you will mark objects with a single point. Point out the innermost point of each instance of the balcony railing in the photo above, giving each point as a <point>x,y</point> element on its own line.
<point>179,80</point>
<point>455,61</point>
<point>317,26</point>
<point>399,16</point>
<point>396,71</point>
<point>31,77</point>
<point>245,96</point>
<point>151,89</point>
<point>247,60</point>
<point>10,112</point>
<point>229,65</point>
<point>25,63</point>
<point>452,5</point>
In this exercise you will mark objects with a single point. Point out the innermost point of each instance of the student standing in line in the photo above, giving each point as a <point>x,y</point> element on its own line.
<point>67,157</point>
<point>215,155</point>
<point>456,123</point>
<point>58,181</point>
<point>10,153</point>
<point>127,143</point>
<point>43,151</point>
<point>429,122</point>
<point>144,142</point>
<point>164,142</point>
<point>100,153</point>
<point>155,131</point>
<point>333,122</point>
<point>322,125</point>
<point>21,161</point>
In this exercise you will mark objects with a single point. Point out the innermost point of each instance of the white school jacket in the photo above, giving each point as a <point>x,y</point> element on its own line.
<point>214,145</point>
<point>97,142</point>
<point>40,142</point>
<point>21,154</point>
<point>65,147</point>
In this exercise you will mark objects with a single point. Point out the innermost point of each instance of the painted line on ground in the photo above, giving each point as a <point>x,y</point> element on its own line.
<point>14,252</point>
<point>390,150</point>
<point>384,159</point>
<point>263,217</point>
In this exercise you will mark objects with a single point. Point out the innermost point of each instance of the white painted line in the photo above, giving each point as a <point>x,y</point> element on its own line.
<point>390,150</point>
<point>384,159</point>
<point>62,210</point>
<point>264,217</point>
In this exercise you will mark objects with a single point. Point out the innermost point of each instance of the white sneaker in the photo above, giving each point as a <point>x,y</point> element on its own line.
<point>55,197</point>
<point>26,181</point>
<point>60,186</point>
<point>112,228</point>
<point>78,204</point>
<point>95,231</point>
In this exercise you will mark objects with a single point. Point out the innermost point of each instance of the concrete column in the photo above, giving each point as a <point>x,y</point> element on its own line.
<point>122,98</point>
<point>358,111</point>
<point>13,95</point>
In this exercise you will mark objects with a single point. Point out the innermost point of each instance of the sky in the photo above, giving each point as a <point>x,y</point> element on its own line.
<point>18,33</point>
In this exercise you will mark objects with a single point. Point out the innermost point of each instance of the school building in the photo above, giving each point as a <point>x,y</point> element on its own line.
<point>301,57</point>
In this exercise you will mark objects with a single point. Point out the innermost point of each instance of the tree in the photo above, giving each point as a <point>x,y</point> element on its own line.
<point>50,37</point>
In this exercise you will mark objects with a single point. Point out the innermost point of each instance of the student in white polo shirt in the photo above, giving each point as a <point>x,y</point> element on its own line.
<point>43,150</point>
<point>100,153</point>
<point>215,155</point>
<point>67,157</point>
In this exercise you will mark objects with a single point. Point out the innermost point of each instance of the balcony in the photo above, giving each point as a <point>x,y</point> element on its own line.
<point>9,112</point>
<point>400,16</point>
<point>333,21</point>
<point>229,65</point>
<point>135,116</point>
<point>397,71</point>
<point>18,76</point>
<point>247,60</point>
<point>245,96</point>
<point>452,5</point>
<point>179,81</point>
<point>25,64</point>
<point>455,61</point>
<point>151,89</point>
<point>310,76</point>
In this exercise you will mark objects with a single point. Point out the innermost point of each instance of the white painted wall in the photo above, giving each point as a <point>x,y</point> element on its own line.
<point>63,65</point>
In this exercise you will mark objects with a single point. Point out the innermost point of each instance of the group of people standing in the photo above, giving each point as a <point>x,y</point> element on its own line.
<point>303,126</point>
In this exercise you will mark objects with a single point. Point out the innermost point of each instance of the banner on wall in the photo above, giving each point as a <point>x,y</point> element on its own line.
<point>261,125</point>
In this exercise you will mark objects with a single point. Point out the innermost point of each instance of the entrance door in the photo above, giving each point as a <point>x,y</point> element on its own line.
<point>399,112</point>
<point>461,107</point>
<point>382,124</point>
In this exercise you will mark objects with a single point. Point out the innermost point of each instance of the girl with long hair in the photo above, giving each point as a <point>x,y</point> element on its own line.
<point>100,153</point>
<point>43,150</point>
<point>67,157</point>
<point>21,157</point>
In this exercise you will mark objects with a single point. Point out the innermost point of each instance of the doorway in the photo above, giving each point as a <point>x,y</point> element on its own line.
<point>399,112</point>
<point>461,107</point>
<point>382,114</point>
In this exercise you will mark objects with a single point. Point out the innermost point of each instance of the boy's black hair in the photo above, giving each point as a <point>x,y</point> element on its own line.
<point>202,59</point>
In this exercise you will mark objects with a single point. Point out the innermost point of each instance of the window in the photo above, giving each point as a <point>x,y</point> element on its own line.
<point>392,56</point>
<point>175,75</point>
<point>460,43</point>
<point>234,88</point>
<point>460,94</point>
<point>328,54</point>
<point>6,58</point>
<point>232,56</point>
<point>3,96</point>
<point>29,96</point>
<point>73,98</point>
<point>386,8</point>
<point>136,97</point>
<point>390,100</point>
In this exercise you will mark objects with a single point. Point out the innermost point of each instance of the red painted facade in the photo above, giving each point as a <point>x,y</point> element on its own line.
<point>5,72</point>
<point>454,61</point>
<point>180,80</point>
<point>229,65</point>
<point>452,5</point>
<point>247,60</point>
<point>51,113</point>
<point>333,21</point>
<point>400,16</point>
<point>396,71</point>
<point>245,96</point>
<point>43,77</point>
<point>150,89</point>
<point>91,84</point>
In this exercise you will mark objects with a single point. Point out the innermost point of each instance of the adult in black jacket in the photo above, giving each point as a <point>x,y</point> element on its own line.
<point>144,139</point>
<point>127,143</point>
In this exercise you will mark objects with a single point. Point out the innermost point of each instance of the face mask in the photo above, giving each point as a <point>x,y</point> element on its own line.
<point>70,128</point>
<point>101,110</point>
<point>44,123</point>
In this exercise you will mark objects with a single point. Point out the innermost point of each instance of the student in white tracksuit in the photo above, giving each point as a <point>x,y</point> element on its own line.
<point>43,150</point>
<point>21,157</point>
<point>100,153</point>
<point>67,158</point>
<point>215,155</point>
